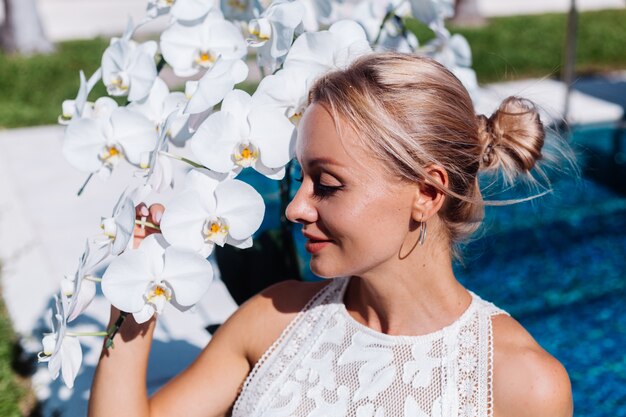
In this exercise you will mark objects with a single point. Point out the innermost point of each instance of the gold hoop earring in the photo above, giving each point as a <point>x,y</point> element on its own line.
<point>422,236</point>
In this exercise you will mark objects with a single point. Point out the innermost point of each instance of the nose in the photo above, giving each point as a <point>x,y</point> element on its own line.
<point>301,209</point>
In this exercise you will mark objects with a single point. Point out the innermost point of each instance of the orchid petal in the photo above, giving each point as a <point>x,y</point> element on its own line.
<point>191,9</point>
<point>216,83</point>
<point>313,51</point>
<point>143,71</point>
<point>182,222</point>
<point>125,280</point>
<point>242,206</point>
<point>151,106</point>
<point>134,132</point>
<point>214,141</point>
<point>71,358</point>
<point>154,246</point>
<point>204,183</point>
<point>82,299</point>
<point>242,10</point>
<point>82,144</point>
<point>240,244</point>
<point>144,314</point>
<point>274,134</point>
<point>188,274</point>
<point>271,173</point>
<point>429,11</point>
<point>125,222</point>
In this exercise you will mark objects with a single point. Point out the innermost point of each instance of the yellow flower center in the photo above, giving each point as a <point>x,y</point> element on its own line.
<point>215,230</point>
<point>118,82</point>
<point>205,59</point>
<point>159,291</point>
<point>238,4</point>
<point>110,154</point>
<point>295,119</point>
<point>245,155</point>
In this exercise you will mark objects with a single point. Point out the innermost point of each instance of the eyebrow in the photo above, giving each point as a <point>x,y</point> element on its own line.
<point>323,161</point>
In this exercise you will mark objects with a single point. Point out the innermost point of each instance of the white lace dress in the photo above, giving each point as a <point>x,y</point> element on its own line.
<point>326,364</point>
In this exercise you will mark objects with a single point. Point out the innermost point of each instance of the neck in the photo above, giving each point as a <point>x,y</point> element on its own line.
<point>414,295</point>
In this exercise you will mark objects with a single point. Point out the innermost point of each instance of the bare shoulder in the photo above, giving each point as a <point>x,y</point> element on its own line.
<point>527,380</point>
<point>261,319</point>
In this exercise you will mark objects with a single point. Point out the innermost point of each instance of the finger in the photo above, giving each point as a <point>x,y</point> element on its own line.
<point>156,212</point>
<point>141,210</point>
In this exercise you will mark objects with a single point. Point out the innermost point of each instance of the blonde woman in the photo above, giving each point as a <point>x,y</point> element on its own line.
<point>390,150</point>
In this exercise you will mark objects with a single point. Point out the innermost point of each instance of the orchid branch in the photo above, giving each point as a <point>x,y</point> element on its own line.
<point>112,331</point>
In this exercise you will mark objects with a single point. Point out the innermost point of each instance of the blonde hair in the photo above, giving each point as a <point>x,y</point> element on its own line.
<point>413,112</point>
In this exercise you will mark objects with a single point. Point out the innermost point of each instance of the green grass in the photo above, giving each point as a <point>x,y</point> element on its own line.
<point>13,392</point>
<point>32,89</point>
<point>532,46</point>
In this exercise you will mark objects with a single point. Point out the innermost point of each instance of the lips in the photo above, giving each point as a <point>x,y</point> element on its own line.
<point>314,244</point>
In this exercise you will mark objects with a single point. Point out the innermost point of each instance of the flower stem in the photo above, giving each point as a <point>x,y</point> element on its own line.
<point>144,224</point>
<point>82,188</point>
<point>87,333</point>
<point>93,279</point>
<point>183,159</point>
<point>160,64</point>
<point>391,13</point>
<point>112,331</point>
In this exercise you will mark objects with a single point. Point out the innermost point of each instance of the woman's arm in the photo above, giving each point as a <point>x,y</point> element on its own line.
<point>210,385</point>
<point>207,388</point>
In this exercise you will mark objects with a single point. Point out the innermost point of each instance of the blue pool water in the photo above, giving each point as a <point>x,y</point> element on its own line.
<point>558,265</point>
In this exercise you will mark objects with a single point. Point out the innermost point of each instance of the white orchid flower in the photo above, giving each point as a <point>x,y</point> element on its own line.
<point>186,10</point>
<point>432,12</point>
<point>158,171</point>
<point>240,10</point>
<point>61,350</point>
<point>208,213</point>
<point>192,10</point>
<point>273,32</point>
<point>244,135</point>
<point>311,55</point>
<point>455,54</point>
<point>159,104</point>
<point>80,289</point>
<point>392,36</point>
<point>142,281</point>
<point>79,106</point>
<point>117,230</point>
<point>189,49</point>
<point>316,13</point>
<point>97,145</point>
<point>156,8</point>
<point>218,81</point>
<point>128,68</point>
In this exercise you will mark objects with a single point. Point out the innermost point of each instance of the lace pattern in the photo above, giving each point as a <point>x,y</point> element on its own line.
<point>327,364</point>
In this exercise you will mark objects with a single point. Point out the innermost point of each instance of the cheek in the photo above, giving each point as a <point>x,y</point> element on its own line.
<point>367,232</point>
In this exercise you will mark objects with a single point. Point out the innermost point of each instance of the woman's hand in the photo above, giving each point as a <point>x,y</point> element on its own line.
<point>145,215</point>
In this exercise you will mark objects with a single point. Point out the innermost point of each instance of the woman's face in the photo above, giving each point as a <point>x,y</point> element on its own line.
<point>355,215</point>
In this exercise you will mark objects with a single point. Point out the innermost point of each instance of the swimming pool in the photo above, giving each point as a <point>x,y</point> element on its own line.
<point>557,264</point>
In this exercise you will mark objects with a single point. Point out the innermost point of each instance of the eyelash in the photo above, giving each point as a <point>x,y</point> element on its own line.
<point>321,191</point>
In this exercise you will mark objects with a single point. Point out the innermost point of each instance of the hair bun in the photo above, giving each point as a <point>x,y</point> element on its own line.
<point>511,138</point>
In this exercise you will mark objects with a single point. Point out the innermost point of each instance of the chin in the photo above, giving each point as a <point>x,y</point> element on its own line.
<point>323,270</point>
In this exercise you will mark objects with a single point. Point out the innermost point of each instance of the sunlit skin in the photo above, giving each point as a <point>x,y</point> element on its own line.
<point>362,221</point>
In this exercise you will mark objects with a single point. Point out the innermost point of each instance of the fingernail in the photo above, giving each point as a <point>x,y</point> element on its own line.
<point>144,211</point>
<point>157,216</point>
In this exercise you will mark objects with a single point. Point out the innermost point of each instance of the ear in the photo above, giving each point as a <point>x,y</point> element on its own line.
<point>428,198</point>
